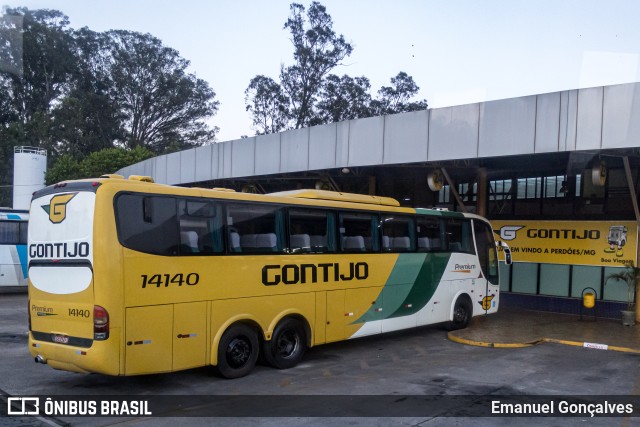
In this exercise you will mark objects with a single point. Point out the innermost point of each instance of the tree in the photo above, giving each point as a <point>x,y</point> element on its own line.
<point>317,50</point>
<point>77,92</point>
<point>308,95</point>
<point>65,168</point>
<point>160,101</point>
<point>88,119</point>
<point>95,164</point>
<point>395,98</point>
<point>268,105</point>
<point>110,160</point>
<point>31,85</point>
<point>47,63</point>
<point>343,98</point>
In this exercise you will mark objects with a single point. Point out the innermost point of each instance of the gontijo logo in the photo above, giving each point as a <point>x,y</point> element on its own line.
<point>486,302</point>
<point>57,207</point>
<point>508,232</point>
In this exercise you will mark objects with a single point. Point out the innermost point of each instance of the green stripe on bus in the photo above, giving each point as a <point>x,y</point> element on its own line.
<point>410,286</point>
<point>425,285</point>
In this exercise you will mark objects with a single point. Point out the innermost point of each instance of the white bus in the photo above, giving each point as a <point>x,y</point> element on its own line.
<point>13,248</point>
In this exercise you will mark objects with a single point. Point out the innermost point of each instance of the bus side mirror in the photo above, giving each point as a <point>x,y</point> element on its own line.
<point>507,252</point>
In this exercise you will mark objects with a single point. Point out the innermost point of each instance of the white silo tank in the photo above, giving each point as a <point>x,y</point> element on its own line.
<point>29,167</point>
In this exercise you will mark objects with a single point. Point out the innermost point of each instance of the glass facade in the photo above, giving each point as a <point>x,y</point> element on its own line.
<point>527,197</point>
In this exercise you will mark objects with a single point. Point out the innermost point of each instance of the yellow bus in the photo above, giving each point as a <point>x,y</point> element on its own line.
<point>129,277</point>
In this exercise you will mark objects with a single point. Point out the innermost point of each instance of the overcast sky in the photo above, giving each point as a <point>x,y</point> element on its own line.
<point>457,51</point>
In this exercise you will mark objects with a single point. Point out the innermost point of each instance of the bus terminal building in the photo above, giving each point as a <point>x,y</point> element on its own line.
<point>555,173</point>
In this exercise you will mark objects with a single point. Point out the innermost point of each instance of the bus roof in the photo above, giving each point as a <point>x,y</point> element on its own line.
<point>301,196</point>
<point>338,197</point>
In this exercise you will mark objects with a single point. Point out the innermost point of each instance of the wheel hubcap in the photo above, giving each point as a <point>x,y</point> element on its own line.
<point>238,352</point>
<point>288,344</point>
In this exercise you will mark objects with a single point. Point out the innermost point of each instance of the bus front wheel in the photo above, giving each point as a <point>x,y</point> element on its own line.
<point>287,345</point>
<point>462,312</point>
<point>238,351</point>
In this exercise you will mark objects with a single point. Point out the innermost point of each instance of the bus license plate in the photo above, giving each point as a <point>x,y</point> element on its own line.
<point>62,339</point>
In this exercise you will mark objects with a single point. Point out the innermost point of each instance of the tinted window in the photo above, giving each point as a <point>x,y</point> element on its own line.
<point>487,253</point>
<point>431,236</point>
<point>398,234</point>
<point>148,224</point>
<point>24,226</point>
<point>458,235</point>
<point>358,232</point>
<point>13,232</point>
<point>311,231</point>
<point>201,230</point>
<point>255,228</point>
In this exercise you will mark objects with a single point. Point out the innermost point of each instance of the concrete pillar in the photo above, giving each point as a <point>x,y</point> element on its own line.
<point>372,185</point>
<point>481,197</point>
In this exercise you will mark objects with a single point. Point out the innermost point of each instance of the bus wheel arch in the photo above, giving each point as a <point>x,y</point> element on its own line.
<point>288,343</point>
<point>238,350</point>
<point>461,312</point>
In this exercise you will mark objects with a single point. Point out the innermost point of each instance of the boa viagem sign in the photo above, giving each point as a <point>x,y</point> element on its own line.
<point>604,243</point>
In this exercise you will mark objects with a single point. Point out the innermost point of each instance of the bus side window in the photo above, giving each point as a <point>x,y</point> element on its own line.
<point>358,232</point>
<point>311,231</point>
<point>429,232</point>
<point>148,224</point>
<point>10,232</point>
<point>398,234</point>
<point>200,227</point>
<point>458,232</point>
<point>256,228</point>
<point>23,233</point>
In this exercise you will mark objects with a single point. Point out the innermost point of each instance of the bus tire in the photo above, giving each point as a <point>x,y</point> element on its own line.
<point>238,351</point>
<point>462,312</point>
<point>287,345</point>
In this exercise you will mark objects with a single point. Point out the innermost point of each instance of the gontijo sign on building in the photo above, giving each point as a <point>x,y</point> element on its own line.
<point>603,243</point>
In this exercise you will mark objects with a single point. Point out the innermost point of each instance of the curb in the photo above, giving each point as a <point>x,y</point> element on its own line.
<point>592,345</point>
<point>466,341</point>
<point>597,346</point>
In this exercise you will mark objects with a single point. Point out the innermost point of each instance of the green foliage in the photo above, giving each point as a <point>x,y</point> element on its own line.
<point>395,98</point>
<point>79,92</point>
<point>65,168</point>
<point>160,101</point>
<point>307,94</point>
<point>90,90</point>
<point>96,164</point>
<point>316,51</point>
<point>630,275</point>
<point>110,160</point>
<point>268,104</point>
<point>343,98</point>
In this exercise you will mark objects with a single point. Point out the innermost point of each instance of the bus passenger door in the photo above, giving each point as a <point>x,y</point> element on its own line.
<point>148,339</point>
<point>488,284</point>
<point>189,335</point>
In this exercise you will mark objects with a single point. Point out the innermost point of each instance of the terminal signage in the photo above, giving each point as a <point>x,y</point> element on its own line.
<point>601,243</point>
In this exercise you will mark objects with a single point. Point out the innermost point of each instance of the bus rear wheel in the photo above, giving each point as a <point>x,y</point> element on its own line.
<point>462,312</point>
<point>238,351</point>
<point>287,345</point>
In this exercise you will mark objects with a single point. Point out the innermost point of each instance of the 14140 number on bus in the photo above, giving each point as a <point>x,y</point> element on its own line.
<point>166,280</point>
